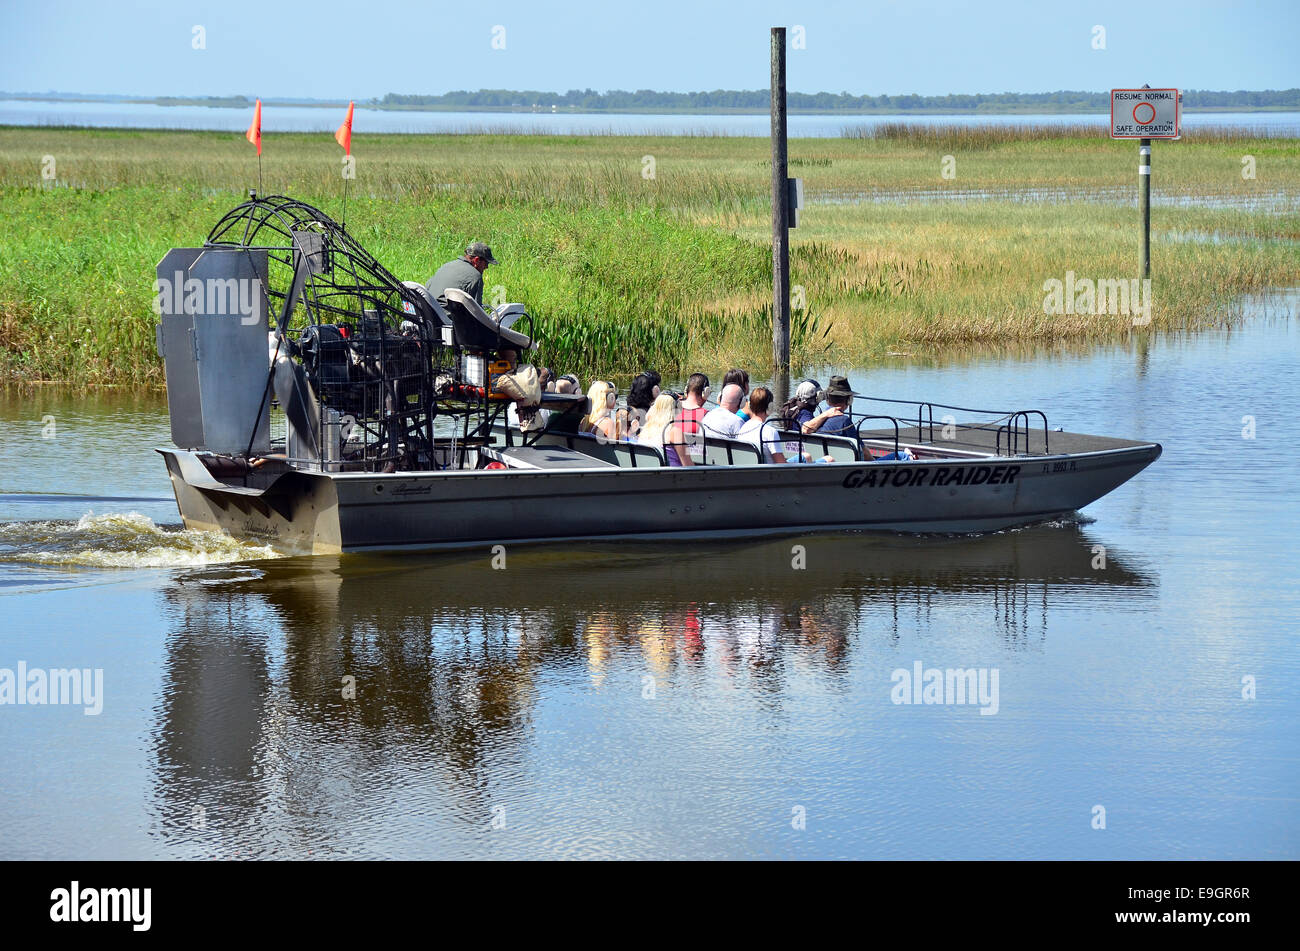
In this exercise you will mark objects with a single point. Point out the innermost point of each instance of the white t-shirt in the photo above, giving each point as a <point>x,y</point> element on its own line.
<point>721,422</point>
<point>761,435</point>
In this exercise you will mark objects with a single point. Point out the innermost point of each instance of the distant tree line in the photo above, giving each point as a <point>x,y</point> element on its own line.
<point>615,100</point>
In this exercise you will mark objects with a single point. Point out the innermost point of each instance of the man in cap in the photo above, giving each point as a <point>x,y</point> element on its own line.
<point>465,272</point>
<point>835,421</point>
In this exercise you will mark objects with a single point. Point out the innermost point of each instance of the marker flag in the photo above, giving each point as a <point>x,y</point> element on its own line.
<point>344,135</point>
<point>254,133</point>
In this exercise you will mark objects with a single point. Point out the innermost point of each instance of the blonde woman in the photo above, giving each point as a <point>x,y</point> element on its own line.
<point>605,421</point>
<point>663,433</point>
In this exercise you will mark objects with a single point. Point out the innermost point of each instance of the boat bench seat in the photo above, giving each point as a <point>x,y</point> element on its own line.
<point>839,448</point>
<point>543,457</point>
<point>728,452</point>
<point>628,455</point>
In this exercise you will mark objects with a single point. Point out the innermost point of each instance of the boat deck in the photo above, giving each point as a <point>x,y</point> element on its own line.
<point>985,440</point>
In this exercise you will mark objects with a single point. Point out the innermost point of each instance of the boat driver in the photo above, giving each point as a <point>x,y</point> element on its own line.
<point>466,272</point>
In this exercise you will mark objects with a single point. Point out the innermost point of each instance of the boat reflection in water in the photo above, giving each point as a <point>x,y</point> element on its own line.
<point>466,675</point>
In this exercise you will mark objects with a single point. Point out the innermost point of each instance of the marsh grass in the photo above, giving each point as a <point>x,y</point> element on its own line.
<point>624,271</point>
<point>979,137</point>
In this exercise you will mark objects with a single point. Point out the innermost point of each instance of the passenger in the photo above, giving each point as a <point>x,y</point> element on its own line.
<point>741,379</point>
<point>644,391</point>
<point>546,379</point>
<point>835,421</point>
<point>722,420</point>
<point>801,407</point>
<point>466,273</point>
<point>605,420</point>
<point>568,383</point>
<point>662,431</point>
<point>693,409</point>
<point>757,431</point>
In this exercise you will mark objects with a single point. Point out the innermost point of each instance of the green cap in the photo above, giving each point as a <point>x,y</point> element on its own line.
<point>478,249</point>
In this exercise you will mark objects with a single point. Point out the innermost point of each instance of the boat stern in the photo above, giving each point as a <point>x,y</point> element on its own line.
<point>292,511</point>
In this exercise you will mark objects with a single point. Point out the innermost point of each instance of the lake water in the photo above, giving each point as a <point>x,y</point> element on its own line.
<point>317,119</point>
<point>682,700</point>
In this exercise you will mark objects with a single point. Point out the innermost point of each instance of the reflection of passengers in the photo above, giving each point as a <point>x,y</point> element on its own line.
<point>757,431</point>
<point>661,431</point>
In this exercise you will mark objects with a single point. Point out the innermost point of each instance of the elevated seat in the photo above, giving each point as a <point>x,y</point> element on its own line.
<point>429,310</point>
<point>839,448</point>
<point>475,328</point>
<point>507,314</point>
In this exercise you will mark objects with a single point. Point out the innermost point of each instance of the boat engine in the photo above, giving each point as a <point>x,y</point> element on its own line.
<point>360,363</point>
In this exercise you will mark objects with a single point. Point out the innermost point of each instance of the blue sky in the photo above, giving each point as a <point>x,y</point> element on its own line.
<point>358,50</point>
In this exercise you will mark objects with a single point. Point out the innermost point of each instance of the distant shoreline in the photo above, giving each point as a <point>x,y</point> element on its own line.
<point>987,109</point>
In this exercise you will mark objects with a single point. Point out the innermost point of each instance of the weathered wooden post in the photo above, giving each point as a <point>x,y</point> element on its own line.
<point>780,225</point>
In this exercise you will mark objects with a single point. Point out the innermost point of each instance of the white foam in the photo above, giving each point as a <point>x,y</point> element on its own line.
<point>121,540</point>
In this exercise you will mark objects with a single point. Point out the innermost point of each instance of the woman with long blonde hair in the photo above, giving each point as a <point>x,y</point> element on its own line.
<point>605,420</point>
<point>661,431</point>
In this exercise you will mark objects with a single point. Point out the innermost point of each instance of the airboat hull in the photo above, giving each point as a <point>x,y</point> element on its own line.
<point>305,512</point>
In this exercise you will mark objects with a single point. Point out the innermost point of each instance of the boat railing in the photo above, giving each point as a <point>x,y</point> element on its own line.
<point>863,417</point>
<point>1013,430</point>
<point>1008,422</point>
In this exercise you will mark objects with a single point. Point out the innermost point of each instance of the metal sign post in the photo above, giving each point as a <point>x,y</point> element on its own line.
<point>1145,114</point>
<point>1144,199</point>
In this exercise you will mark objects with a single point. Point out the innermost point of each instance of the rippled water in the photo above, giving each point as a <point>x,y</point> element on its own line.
<point>696,700</point>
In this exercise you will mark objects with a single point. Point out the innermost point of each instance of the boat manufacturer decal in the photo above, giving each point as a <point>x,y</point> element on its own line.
<point>406,488</point>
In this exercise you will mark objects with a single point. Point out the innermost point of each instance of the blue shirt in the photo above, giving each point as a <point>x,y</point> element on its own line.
<point>839,426</point>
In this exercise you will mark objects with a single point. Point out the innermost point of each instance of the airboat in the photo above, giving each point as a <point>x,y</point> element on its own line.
<point>321,405</point>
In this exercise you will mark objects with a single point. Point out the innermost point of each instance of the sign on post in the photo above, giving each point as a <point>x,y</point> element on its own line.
<point>1145,114</point>
<point>794,193</point>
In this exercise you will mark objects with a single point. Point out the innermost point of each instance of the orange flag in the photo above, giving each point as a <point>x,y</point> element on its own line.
<point>344,135</point>
<point>254,133</point>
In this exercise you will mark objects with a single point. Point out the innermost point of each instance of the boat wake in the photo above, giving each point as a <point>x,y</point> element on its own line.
<point>128,540</point>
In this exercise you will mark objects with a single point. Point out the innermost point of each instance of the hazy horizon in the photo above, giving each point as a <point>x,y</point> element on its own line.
<point>923,48</point>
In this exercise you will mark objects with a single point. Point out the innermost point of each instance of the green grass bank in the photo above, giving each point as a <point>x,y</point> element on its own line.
<point>636,251</point>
